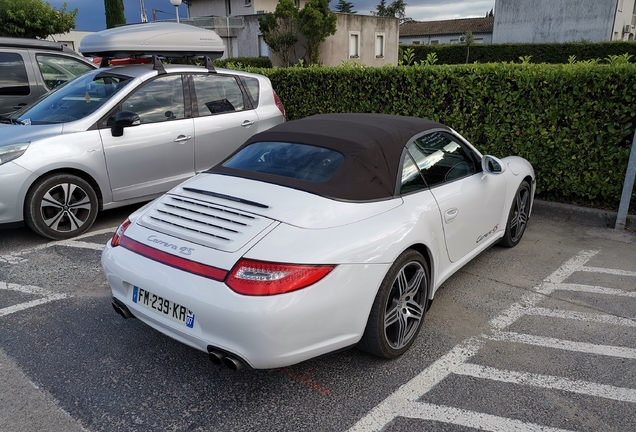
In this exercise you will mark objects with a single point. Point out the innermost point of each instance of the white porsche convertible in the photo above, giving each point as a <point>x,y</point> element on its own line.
<point>316,235</point>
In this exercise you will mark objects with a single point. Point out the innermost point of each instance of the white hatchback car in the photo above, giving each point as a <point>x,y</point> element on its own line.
<point>316,235</point>
<point>121,135</point>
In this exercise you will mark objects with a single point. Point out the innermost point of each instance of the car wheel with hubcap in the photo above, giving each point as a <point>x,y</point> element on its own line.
<point>60,206</point>
<point>398,310</point>
<point>518,217</point>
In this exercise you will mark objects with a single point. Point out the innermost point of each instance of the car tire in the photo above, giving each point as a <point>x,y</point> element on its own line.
<point>518,216</point>
<point>399,307</point>
<point>60,206</point>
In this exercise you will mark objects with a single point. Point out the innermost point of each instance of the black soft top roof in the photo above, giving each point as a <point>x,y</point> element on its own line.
<point>372,145</point>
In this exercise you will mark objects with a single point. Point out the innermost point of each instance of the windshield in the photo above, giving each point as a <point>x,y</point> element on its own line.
<point>74,100</point>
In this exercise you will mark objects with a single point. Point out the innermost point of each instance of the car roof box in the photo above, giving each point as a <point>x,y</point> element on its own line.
<point>164,39</point>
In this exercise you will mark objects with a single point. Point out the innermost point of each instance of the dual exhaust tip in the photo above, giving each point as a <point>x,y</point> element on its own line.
<point>122,309</point>
<point>220,357</point>
<point>217,356</point>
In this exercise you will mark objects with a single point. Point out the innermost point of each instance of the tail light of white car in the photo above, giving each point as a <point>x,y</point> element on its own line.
<point>279,104</point>
<point>115,241</point>
<point>259,278</point>
<point>248,277</point>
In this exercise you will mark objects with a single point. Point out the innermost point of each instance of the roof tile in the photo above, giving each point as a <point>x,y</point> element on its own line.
<point>456,26</point>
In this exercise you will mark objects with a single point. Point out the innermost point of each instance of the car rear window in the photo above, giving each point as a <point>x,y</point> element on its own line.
<point>298,161</point>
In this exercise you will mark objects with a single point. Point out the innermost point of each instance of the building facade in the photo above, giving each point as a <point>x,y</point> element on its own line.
<point>234,7</point>
<point>71,39</point>
<point>544,21</point>
<point>370,40</point>
<point>447,31</point>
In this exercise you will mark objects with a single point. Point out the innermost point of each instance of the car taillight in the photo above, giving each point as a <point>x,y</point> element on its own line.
<point>120,232</point>
<point>259,278</point>
<point>279,104</point>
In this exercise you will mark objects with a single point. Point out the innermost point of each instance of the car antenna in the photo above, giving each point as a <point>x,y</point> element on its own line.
<point>158,65</point>
<point>208,64</point>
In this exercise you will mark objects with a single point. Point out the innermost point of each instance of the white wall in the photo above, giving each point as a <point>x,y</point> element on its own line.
<point>625,16</point>
<point>336,49</point>
<point>197,8</point>
<point>540,21</point>
<point>71,39</point>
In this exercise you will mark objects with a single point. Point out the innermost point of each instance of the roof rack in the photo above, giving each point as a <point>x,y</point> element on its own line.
<point>34,43</point>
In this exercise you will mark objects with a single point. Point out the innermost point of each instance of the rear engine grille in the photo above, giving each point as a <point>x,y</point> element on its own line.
<point>204,223</point>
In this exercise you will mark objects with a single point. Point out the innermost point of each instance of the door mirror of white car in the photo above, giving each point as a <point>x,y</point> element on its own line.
<point>123,120</point>
<point>492,165</point>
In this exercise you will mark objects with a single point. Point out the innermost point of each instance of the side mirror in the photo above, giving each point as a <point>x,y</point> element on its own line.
<point>492,165</point>
<point>123,120</point>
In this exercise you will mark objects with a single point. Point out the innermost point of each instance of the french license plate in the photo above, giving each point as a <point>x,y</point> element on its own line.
<point>165,307</point>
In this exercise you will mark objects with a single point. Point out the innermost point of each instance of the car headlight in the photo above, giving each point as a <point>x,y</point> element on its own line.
<point>12,151</point>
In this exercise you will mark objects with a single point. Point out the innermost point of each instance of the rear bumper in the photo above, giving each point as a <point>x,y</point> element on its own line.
<point>267,332</point>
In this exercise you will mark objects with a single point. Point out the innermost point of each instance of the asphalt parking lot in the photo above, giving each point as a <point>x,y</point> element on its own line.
<point>539,337</point>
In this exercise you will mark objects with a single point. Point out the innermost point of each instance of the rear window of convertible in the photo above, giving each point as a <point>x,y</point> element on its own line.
<point>297,161</point>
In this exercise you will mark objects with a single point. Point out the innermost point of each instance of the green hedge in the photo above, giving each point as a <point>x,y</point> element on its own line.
<point>258,62</point>
<point>574,123</point>
<point>540,53</point>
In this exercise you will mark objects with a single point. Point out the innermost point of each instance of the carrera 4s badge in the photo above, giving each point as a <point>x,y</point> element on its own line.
<point>181,249</point>
<point>488,234</point>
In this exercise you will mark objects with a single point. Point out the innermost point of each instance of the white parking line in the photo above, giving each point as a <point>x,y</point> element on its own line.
<point>403,401</point>
<point>17,257</point>
<point>421,384</point>
<point>608,271</point>
<point>548,342</point>
<point>581,316</point>
<point>47,296</point>
<point>595,290</point>
<point>82,245</point>
<point>549,382</point>
<point>471,419</point>
<point>547,287</point>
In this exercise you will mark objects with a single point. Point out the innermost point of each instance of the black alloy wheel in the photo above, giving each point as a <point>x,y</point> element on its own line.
<point>398,310</point>
<point>518,216</point>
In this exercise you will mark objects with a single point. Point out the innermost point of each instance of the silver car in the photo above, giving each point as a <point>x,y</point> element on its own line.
<point>30,68</point>
<point>121,135</point>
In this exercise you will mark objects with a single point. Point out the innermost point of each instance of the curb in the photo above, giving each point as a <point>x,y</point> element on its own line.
<point>581,215</point>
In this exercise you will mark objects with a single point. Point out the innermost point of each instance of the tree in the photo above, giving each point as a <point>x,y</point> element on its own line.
<point>468,40</point>
<point>344,6</point>
<point>114,13</point>
<point>280,30</point>
<point>34,19</point>
<point>316,22</point>
<point>381,9</point>
<point>397,9</point>
<point>394,10</point>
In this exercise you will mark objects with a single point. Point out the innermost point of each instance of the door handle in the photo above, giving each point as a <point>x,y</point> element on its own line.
<point>182,138</point>
<point>247,123</point>
<point>20,105</point>
<point>450,215</point>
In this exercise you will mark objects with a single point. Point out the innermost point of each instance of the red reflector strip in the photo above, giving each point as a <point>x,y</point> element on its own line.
<point>173,261</point>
